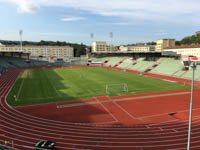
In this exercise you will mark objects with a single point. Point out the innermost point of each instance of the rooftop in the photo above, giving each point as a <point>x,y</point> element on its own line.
<point>183,46</point>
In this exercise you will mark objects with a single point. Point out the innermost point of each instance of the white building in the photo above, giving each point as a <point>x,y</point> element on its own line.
<point>137,49</point>
<point>98,47</point>
<point>59,52</point>
<point>190,50</point>
<point>162,44</point>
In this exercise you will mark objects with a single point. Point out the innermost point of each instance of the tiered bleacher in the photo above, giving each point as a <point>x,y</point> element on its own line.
<point>13,62</point>
<point>166,66</point>
<point>127,63</point>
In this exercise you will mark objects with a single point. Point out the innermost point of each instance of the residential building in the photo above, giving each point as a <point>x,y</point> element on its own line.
<point>189,50</point>
<point>144,48</point>
<point>42,51</point>
<point>98,47</point>
<point>162,44</point>
<point>138,49</point>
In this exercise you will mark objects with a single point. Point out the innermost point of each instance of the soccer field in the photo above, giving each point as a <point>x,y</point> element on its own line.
<point>56,85</point>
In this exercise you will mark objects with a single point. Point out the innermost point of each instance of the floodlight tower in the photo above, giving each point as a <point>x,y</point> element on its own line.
<point>20,34</point>
<point>193,65</point>
<point>111,38</point>
<point>92,37</point>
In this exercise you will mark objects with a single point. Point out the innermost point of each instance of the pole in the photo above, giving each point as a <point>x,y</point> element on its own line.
<point>20,33</point>
<point>111,37</point>
<point>92,37</point>
<point>191,104</point>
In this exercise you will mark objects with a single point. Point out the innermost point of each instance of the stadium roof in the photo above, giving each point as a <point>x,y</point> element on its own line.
<point>183,46</point>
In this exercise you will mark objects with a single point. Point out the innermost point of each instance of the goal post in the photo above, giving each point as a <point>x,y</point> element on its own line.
<point>116,89</point>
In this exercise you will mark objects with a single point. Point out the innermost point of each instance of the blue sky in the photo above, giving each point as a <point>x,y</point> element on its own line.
<point>131,21</point>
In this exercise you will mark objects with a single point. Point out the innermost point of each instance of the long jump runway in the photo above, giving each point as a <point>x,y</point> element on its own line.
<point>136,122</point>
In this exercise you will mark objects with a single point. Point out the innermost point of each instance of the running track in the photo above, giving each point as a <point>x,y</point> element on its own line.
<point>150,131</point>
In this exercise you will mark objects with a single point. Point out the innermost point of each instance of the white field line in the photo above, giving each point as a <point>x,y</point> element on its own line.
<point>82,133</point>
<point>184,148</point>
<point>59,136</point>
<point>20,88</point>
<point>120,107</point>
<point>160,128</point>
<point>86,134</point>
<point>167,113</point>
<point>156,145</point>
<point>116,120</point>
<point>175,130</point>
<point>43,129</point>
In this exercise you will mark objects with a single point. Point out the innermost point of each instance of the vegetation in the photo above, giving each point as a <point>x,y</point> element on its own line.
<point>189,40</point>
<point>54,85</point>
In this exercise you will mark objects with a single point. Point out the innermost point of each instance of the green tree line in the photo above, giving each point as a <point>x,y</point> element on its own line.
<point>189,40</point>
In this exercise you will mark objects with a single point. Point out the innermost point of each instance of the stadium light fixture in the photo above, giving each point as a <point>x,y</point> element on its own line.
<point>111,40</point>
<point>92,38</point>
<point>193,65</point>
<point>20,34</point>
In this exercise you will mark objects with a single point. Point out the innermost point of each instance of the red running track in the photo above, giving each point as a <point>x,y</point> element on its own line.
<point>136,123</point>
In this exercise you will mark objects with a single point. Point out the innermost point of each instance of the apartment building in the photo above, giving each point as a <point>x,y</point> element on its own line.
<point>162,44</point>
<point>44,51</point>
<point>137,49</point>
<point>98,47</point>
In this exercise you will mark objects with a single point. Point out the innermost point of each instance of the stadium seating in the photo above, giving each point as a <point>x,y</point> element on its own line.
<point>188,74</point>
<point>114,60</point>
<point>127,63</point>
<point>142,65</point>
<point>168,66</point>
<point>13,62</point>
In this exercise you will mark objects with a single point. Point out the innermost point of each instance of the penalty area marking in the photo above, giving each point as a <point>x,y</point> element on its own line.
<point>120,107</point>
<point>20,88</point>
<point>116,120</point>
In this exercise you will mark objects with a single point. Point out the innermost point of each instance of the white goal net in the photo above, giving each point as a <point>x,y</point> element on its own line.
<point>116,89</point>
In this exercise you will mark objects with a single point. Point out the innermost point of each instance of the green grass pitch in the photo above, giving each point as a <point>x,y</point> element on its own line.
<point>56,85</point>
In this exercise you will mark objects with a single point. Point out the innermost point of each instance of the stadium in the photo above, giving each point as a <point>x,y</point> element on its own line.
<point>102,103</point>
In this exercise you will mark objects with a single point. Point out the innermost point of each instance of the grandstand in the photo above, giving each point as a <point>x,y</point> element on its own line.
<point>168,66</point>
<point>165,65</point>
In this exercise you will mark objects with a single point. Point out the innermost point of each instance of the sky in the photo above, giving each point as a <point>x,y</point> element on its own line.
<point>130,21</point>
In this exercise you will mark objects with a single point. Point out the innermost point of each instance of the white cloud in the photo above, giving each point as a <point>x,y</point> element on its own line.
<point>27,6</point>
<point>156,11</point>
<point>69,19</point>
